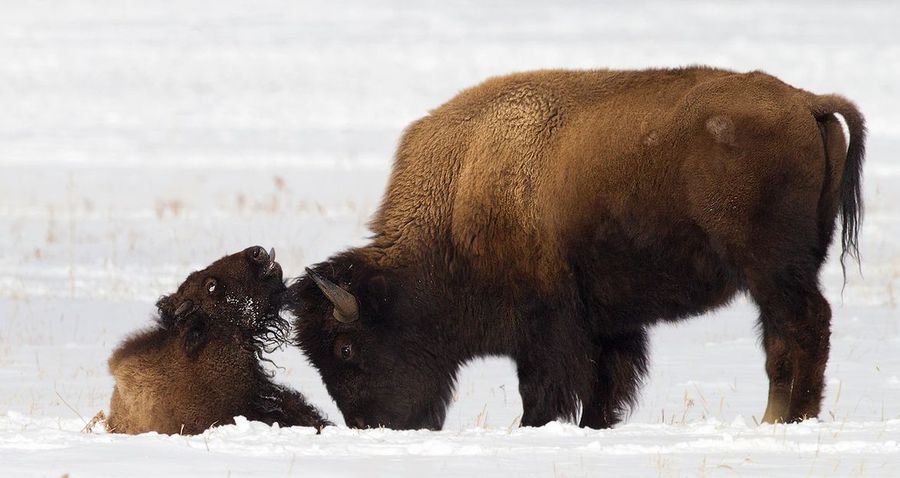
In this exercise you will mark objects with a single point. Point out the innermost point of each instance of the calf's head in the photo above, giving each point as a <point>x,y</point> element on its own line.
<point>246,287</point>
<point>199,365</point>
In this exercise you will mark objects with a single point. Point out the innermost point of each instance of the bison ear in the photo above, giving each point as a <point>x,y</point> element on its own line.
<point>378,293</point>
<point>195,337</point>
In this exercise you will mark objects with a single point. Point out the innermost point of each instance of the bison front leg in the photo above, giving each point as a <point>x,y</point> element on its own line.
<point>554,372</point>
<point>619,369</point>
<point>546,395</point>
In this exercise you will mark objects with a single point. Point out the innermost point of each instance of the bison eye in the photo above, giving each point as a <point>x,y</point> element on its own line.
<point>257,251</point>
<point>343,348</point>
<point>211,285</point>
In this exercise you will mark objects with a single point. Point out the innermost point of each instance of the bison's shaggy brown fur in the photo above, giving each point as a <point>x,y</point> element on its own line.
<point>553,216</point>
<point>199,365</point>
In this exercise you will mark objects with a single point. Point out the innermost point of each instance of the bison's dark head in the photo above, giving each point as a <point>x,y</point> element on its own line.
<point>245,289</point>
<point>378,354</point>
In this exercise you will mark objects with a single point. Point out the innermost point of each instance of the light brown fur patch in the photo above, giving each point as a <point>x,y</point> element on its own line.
<point>722,129</point>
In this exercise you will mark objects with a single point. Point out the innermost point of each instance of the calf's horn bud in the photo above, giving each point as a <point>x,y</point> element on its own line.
<point>345,308</point>
<point>184,307</point>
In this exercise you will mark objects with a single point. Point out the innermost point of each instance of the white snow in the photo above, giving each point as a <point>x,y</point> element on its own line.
<point>140,140</point>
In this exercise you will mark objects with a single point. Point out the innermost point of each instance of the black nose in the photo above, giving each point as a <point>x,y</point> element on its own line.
<point>259,255</point>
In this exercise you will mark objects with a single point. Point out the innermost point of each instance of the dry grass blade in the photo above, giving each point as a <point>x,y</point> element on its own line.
<point>100,417</point>
<point>70,407</point>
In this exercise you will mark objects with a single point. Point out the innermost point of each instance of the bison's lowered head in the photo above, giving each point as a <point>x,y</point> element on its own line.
<point>378,354</point>
<point>199,365</point>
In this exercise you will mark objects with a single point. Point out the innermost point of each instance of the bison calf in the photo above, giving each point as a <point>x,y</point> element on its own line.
<point>199,365</point>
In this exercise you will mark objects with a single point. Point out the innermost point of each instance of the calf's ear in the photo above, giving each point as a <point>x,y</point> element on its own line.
<point>166,306</point>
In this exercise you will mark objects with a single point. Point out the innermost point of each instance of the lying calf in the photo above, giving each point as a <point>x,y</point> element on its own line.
<point>199,365</point>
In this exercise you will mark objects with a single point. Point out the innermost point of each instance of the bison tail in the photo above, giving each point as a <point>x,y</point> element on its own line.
<point>851,205</point>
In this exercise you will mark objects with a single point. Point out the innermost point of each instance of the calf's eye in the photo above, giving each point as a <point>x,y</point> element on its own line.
<point>211,285</point>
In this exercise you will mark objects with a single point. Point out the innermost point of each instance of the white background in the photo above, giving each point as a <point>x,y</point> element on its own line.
<point>140,140</point>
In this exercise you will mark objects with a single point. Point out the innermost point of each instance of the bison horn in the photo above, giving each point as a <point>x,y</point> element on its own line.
<point>345,307</point>
<point>184,307</point>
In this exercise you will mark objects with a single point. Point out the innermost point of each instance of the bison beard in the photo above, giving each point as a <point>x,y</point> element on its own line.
<point>553,216</point>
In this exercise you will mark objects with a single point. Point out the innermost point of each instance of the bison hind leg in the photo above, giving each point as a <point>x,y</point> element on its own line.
<point>796,326</point>
<point>620,367</point>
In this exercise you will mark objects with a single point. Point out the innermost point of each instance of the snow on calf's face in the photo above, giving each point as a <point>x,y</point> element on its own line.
<point>199,365</point>
<point>242,288</point>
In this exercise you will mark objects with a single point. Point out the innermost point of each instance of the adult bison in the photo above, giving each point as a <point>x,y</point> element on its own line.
<point>553,216</point>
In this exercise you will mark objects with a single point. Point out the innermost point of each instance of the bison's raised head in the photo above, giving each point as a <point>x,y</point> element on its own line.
<point>377,352</point>
<point>244,289</point>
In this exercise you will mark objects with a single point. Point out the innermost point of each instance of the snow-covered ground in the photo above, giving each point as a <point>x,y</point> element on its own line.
<point>140,140</point>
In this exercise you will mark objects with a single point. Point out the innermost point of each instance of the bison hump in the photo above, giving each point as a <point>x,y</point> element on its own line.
<point>496,208</point>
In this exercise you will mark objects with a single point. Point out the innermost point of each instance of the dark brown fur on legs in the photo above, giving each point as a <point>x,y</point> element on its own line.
<point>199,365</point>
<point>621,365</point>
<point>554,216</point>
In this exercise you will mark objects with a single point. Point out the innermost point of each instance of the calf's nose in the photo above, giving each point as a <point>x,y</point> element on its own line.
<point>259,255</point>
